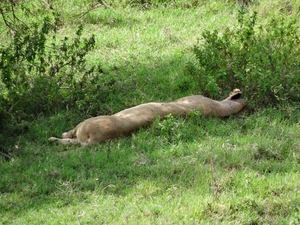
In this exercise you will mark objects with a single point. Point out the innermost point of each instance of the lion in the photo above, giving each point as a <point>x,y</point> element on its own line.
<point>103,128</point>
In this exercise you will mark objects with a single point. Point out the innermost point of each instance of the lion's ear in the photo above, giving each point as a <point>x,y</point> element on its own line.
<point>235,94</point>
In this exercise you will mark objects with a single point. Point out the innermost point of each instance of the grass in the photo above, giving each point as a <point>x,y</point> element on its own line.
<point>242,170</point>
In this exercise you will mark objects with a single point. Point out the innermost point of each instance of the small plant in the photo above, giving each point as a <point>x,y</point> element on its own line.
<point>176,129</point>
<point>263,60</point>
<point>169,127</point>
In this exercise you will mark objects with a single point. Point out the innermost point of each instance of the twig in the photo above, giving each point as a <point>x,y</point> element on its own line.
<point>6,155</point>
<point>105,4</point>
<point>216,185</point>
<point>4,19</point>
<point>95,6</point>
<point>213,180</point>
<point>7,23</point>
<point>48,4</point>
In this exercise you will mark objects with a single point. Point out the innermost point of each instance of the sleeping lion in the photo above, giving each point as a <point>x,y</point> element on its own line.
<point>102,128</point>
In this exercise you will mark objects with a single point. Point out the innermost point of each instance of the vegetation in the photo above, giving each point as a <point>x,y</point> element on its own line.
<point>64,61</point>
<point>263,59</point>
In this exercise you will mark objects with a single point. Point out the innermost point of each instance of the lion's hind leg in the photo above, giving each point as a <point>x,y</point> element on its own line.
<point>65,141</point>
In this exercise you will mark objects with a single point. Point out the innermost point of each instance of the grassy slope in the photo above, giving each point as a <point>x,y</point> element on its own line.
<point>243,170</point>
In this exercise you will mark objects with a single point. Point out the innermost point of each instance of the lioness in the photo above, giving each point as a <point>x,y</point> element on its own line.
<point>102,128</point>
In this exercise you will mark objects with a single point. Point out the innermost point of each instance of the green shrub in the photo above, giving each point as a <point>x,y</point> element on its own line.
<point>263,60</point>
<point>41,71</point>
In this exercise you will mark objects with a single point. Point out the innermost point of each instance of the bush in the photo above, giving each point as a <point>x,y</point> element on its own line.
<point>263,60</point>
<point>42,72</point>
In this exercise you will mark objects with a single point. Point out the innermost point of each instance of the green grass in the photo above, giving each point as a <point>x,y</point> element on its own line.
<point>242,170</point>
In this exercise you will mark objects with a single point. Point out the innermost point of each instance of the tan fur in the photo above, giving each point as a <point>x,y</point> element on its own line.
<point>102,128</point>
